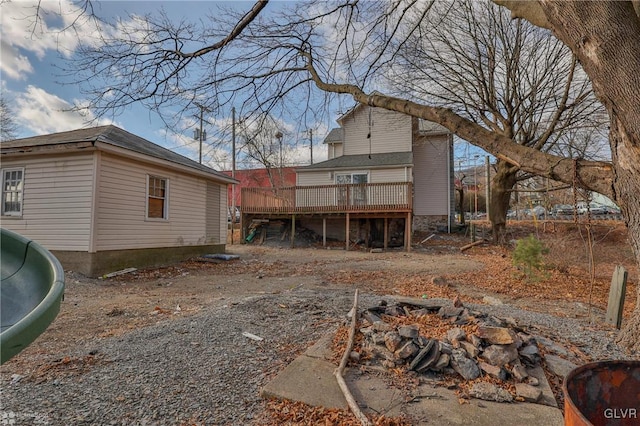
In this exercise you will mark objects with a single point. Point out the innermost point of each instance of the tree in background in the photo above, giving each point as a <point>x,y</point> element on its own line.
<point>8,127</point>
<point>510,77</point>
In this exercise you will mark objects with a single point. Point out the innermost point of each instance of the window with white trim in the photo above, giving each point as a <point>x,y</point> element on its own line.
<point>358,195</point>
<point>12,188</point>
<point>157,197</point>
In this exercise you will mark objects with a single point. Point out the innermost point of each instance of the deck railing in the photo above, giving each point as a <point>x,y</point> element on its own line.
<point>346,198</point>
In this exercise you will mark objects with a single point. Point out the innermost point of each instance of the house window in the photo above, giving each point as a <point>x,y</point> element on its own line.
<point>12,187</point>
<point>355,195</point>
<point>157,197</point>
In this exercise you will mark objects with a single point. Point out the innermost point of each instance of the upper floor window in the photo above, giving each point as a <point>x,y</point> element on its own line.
<point>157,197</point>
<point>12,188</point>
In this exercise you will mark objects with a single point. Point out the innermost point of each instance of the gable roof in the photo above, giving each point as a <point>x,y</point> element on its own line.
<point>335,135</point>
<point>363,160</point>
<point>110,135</point>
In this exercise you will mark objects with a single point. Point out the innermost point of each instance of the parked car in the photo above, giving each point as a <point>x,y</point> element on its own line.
<point>562,210</point>
<point>539,212</point>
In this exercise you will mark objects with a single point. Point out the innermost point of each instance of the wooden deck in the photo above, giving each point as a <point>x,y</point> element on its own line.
<point>372,200</point>
<point>394,197</point>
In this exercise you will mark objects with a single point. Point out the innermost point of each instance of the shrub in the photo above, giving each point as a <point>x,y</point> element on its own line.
<point>528,255</point>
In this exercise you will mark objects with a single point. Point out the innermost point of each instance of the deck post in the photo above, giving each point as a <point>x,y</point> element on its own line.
<point>346,237</point>
<point>386,233</point>
<point>407,232</point>
<point>324,232</point>
<point>293,230</point>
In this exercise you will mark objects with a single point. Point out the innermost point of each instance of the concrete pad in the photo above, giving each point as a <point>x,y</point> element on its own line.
<point>309,380</point>
<point>438,405</point>
<point>547,397</point>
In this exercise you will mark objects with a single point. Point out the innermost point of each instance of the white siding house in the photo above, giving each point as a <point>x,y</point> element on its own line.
<point>374,145</point>
<point>103,199</point>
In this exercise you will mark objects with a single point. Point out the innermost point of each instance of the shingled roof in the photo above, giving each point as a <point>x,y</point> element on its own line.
<point>363,160</point>
<point>111,135</point>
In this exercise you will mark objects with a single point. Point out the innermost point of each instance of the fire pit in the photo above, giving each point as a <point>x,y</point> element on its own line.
<point>603,393</point>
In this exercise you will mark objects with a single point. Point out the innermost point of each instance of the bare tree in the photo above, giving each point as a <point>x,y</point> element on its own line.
<point>342,47</point>
<point>507,76</point>
<point>8,126</point>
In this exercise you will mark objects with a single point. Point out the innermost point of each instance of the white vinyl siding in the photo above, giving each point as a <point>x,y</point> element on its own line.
<point>397,174</point>
<point>121,218</point>
<point>216,223</point>
<point>320,177</point>
<point>389,131</point>
<point>334,150</point>
<point>57,198</point>
<point>431,175</point>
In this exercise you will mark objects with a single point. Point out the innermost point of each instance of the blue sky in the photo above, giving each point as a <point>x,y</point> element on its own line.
<point>30,77</point>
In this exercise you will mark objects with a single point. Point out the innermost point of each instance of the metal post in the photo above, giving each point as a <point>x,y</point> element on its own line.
<point>488,189</point>
<point>233,170</point>
<point>311,143</point>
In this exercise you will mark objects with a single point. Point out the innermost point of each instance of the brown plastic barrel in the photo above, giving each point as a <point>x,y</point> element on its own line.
<point>603,393</point>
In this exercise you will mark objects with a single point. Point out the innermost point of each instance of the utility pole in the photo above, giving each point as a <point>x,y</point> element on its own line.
<point>311,143</point>
<point>233,169</point>
<point>200,134</point>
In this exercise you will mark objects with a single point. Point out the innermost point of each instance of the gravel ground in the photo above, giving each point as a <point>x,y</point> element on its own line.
<point>200,369</point>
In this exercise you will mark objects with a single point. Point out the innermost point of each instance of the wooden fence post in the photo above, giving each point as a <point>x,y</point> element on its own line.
<point>616,296</point>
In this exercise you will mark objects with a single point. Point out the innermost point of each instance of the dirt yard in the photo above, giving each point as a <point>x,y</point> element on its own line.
<point>103,308</point>
<point>112,306</point>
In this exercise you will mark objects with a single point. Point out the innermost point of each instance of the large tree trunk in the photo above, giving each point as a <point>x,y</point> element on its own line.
<point>626,157</point>
<point>501,185</point>
<point>605,35</point>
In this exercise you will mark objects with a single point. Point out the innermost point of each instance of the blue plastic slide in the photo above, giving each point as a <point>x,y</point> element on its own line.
<point>31,289</point>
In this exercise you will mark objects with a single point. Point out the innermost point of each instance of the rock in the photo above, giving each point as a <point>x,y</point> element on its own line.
<point>439,281</point>
<point>490,392</point>
<point>382,353</point>
<point>449,311</point>
<point>491,301</point>
<point>371,317</point>
<point>394,311</point>
<point>382,326</point>
<point>409,331</point>
<point>446,348</point>
<point>500,355</point>
<point>496,335</point>
<point>471,350</point>
<point>430,359</point>
<point>423,353</point>
<point>407,350</point>
<point>455,334</point>
<point>378,338</point>
<point>559,366</point>
<point>493,371</point>
<point>530,354</point>
<point>367,332</point>
<point>552,346</point>
<point>519,372</point>
<point>527,339</point>
<point>392,341</point>
<point>421,312</point>
<point>528,392</point>
<point>464,366</point>
<point>421,341</point>
<point>532,381</point>
<point>354,356</point>
<point>475,340</point>
<point>442,362</point>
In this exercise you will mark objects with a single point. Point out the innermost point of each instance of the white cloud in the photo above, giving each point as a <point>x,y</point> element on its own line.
<point>40,27</point>
<point>12,64</point>
<point>43,113</point>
